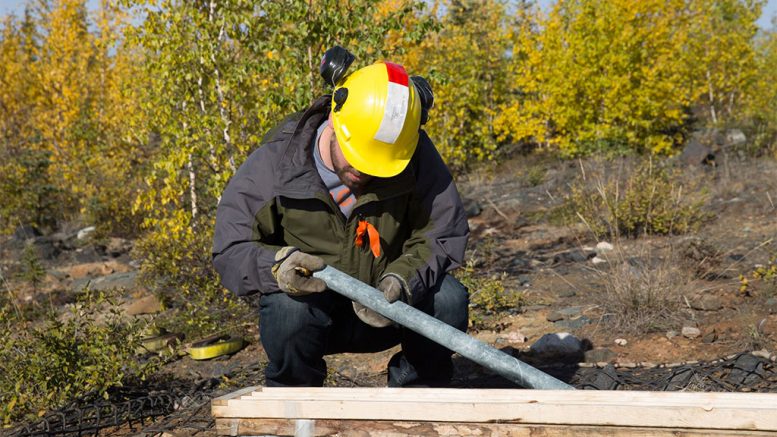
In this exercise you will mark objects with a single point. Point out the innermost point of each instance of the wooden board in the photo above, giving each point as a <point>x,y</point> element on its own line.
<point>252,408</point>
<point>348,428</point>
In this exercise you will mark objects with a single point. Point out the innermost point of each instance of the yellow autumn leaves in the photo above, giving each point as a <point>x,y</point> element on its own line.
<point>101,110</point>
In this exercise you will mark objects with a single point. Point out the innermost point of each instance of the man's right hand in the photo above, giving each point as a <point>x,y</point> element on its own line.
<point>293,270</point>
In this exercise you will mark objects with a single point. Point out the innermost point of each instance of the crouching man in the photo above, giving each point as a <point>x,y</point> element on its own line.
<point>355,183</point>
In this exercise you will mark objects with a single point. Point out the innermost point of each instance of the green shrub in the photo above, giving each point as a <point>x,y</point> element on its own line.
<point>85,352</point>
<point>651,201</point>
<point>29,194</point>
<point>177,266</point>
<point>765,274</point>
<point>31,269</point>
<point>488,293</point>
<point>535,175</point>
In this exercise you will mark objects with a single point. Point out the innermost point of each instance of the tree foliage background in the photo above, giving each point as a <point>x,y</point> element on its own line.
<point>136,114</point>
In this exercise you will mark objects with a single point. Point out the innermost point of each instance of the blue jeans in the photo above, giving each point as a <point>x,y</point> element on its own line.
<point>297,332</point>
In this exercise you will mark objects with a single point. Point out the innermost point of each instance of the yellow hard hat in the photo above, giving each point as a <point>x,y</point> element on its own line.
<point>376,114</point>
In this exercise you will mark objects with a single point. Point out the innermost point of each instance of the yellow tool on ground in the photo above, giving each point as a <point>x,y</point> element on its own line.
<point>215,346</point>
<point>158,342</point>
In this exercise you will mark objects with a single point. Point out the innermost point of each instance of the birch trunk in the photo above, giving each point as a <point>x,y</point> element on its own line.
<point>192,188</point>
<point>192,173</point>
<point>219,91</point>
<point>711,93</point>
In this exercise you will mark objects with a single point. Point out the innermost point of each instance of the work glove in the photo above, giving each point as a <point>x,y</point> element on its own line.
<point>393,290</point>
<point>293,271</point>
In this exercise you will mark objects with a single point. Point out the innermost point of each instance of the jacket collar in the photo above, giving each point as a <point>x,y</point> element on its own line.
<point>298,177</point>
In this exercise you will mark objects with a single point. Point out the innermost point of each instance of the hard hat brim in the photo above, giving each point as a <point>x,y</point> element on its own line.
<point>382,168</point>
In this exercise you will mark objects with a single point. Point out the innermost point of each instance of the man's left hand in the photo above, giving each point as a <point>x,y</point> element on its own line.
<point>392,290</point>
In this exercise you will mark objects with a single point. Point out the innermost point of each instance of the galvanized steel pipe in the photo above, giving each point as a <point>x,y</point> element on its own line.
<point>439,332</point>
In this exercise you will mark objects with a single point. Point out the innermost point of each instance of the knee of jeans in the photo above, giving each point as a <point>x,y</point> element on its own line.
<point>451,303</point>
<point>284,320</point>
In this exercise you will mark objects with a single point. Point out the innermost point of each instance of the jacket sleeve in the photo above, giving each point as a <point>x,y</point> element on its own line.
<point>439,229</point>
<point>247,233</point>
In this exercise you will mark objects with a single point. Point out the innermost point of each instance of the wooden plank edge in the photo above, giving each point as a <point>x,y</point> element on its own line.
<point>701,399</point>
<point>535,413</point>
<point>222,400</point>
<point>286,427</point>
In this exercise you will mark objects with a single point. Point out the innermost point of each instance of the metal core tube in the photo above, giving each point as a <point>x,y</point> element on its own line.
<point>439,332</point>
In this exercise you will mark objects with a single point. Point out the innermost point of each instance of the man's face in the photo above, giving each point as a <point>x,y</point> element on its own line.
<point>350,177</point>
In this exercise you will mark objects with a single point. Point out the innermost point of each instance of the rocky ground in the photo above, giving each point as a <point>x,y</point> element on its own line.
<point>564,274</point>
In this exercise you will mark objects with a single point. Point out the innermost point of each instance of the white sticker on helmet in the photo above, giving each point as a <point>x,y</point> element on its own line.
<point>394,113</point>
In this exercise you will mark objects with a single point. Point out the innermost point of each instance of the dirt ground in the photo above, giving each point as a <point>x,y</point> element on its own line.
<point>562,271</point>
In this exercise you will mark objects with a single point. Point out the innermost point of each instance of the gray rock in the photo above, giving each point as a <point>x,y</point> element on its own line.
<point>600,355</point>
<point>126,281</point>
<point>63,241</point>
<point>85,232</point>
<point>23,233</point>
<point>520,264</point>
<point>696,153</point>
<point>567,293</point>
<point>471,207</point>
<point>573,323</point>
<point>554,316</point>
<point>46,248</point>
<point>571,311</point>
<point>573,256</point>
<point>86,255</point>
<point>691,332</point>
<point>59,274</point>
<point>562,345</point>
<point>671,334</point>
<point>708,302</point>
<point>604,247</point>
<point>735,137</point>
<point>523,280</point>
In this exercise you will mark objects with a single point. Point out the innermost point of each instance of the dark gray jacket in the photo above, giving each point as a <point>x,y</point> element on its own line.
<point>277,199</point>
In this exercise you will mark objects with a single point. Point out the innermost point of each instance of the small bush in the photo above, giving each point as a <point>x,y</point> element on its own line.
<point>765,274</point>
<point>29,194</point>
<point>31,269</point>
<point>489,293</point>
<point>84,353</point>
<point>176,264</point>
<point>643,296</point>
<point>535,175</point>
<point>651,201</point>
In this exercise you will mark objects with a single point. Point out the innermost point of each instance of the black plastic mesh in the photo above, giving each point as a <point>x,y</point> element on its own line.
<point>144,411</point>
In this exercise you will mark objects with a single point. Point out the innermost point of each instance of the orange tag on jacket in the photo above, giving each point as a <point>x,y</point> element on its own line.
<point>366,229</point>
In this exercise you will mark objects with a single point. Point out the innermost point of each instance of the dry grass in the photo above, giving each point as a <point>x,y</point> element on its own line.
<point>644,293</point>
<point>636,199</point>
